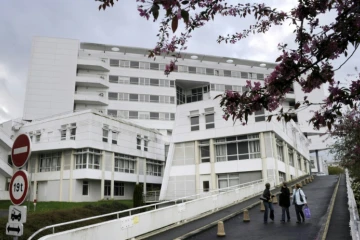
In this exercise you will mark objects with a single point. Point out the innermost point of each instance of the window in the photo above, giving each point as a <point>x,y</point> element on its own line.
<point>123,96</point>
<point>282,177</point>
<point>114,137</point>
<point>206,186</point>
<point>113,79</point>
<point>134,97</point>
<point>227,73</point>
<point>113,96</point>
<point>154,168</point>
<point>37,135</point>
<point>124,163</point>
<point>114,63</point>
<point>234,179</point>
<point>192,69</point>
<point>105,131</point>
<point>237,148</point>
<point>119,188</point>
<point>87,158</point>
<point>172,116</point>
<point>146,140</point>
<point>112,113</point>
<point>50,162</point>
<point>107,188</point>
<point>154,115</point>
<point>63,132</point>
<point>85,189</point>
<point>194,123</point>
<point>209,71</point>
<point>209,119</point>
<point>172,83</point>
<point>260,115</point>
<point>154,98</point>
<point>291,156</point>
<point>280,150</point>
<point>244,75</point>
<point>260,76</point>
<point>133,115</point>
<point>228,87</point>
<point>134,64</point>
<point>134,81</point>
<point>154,66</point>
<point>154,82</point>
<point>138,142</point>
<point>299,161</point>
<point>204,151</point>
<point>166,151</point>
<point>72,131</point>
<point>228,180</point>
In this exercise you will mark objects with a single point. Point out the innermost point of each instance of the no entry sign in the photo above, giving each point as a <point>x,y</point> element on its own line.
<point>19,186</point>
<point>21,150</point>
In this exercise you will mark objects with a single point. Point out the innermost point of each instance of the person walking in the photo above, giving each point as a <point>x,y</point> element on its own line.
<point>299,200</point>
<point>267,200</point>
<point>284,202</point>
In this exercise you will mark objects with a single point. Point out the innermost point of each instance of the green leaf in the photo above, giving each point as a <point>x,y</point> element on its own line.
<point>185,16</point>
<point>297,105</point>
<point>168,12</point>
<point>174,23</point>
<point>269,118</point>
<point>155,11</point>
<point>184,2</point>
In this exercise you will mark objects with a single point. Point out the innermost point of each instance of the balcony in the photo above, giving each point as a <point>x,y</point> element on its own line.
<point>92,80</point>
<point>94,64</point>
<point>91,98</point>
<point>5,169</point>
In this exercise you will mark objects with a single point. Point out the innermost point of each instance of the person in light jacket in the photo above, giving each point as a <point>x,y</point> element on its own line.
<point>284,202</point>
<point>299,200</point>
<point>268,203</point>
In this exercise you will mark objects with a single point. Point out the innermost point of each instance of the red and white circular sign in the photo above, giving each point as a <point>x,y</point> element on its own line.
<point>21,150</point>
<point>19,186</point>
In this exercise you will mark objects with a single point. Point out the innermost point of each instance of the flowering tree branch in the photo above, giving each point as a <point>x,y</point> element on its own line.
<point>309,64</point>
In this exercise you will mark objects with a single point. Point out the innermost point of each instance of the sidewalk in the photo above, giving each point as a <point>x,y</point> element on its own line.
<point>339,223</point>
<point>235,225</point>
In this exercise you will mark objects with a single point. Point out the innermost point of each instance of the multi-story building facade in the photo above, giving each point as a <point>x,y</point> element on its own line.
<point>88,156</point>
<point>208,153</point>
<point>66,76</point>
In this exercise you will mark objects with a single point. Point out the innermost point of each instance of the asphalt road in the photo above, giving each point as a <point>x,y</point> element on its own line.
<point>318,196</point>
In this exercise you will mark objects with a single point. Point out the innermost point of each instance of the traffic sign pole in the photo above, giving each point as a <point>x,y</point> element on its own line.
<point>19,186</point>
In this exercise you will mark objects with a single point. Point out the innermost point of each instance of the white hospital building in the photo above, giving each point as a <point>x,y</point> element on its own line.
<point>103,118</point>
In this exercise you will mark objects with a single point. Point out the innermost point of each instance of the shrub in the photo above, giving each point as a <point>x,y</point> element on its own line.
<point>335,170</point>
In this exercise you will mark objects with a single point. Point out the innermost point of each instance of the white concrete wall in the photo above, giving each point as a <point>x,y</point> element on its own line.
<point>51,79</point>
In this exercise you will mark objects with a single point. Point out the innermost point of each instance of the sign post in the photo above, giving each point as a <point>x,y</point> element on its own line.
<point>19,186</point>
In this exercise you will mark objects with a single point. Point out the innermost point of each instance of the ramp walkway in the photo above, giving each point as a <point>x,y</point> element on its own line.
<point>318,193</point>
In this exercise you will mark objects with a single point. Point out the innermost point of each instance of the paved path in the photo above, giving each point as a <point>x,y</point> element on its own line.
<point>236,229</point>
<point>339,224</point>
<point>318,196</point>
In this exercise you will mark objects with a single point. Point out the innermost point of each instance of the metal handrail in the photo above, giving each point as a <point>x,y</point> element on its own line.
<point>138,208</point>
<point>193,197</point>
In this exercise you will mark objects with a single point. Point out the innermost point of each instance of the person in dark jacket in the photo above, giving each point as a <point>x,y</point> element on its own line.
<point>284,202</point>
<point>267,196</point>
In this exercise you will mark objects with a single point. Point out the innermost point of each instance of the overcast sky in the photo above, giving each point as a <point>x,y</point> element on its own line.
<point>20,20</point>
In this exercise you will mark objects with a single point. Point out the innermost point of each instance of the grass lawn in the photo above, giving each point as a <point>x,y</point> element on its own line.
<point>51,206</point>
<point>49,213</point>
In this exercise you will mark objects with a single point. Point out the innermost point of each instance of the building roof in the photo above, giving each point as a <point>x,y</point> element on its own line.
<point>68,114</point>
<point>200,57</point>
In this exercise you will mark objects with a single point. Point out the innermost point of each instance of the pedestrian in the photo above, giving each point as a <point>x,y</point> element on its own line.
<point>284,202</point>
<point>299,200</point>
<point>267,200</point>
